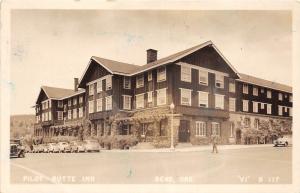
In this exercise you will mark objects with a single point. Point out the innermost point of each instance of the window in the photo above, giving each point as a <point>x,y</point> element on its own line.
<point>49,116</point>
<point>255,107</point>
<point>219,81</point>
<point>203,77</point>
<point>245,105</point>
<point>285,109</point>
<point>185,97</point>
<point>69,102</point>
<point>80,112</point>
<point>232,87</point>
<point>291,98</point>
<point>139,101</point>
<point>91,106</point>
<point>280,110</point>
<point>161,74</point>
<point>108,82</point>
<point>149,75</point>
<point>127,82</point>
<point>262,90</point>
<point>75,101</point>
<point>186,73</point>
<point>262,105</point>
<point>219,101</point>
<point>139,81</point>
<point>291,111</point>
<point>255,91</point>
<point>69,114</point>
<point>80,99</point>
<point>91,89</point>
<point>150,96</point>
<point>247,122</point>
<point>59,115</point>
<point>215,128</point>
<point>108,103</point>
<point>60,104</point>
<point>269,108</point>
<point>245,88</point>
<point>269,94</point>
<point>256,123</point>
<point>231,129</point>
<point>285,96</point>
<point>203,99</point>
<point>200,128</point>
<point>231,104</point>
<point>99,104</point>
<point>280,96</point>
<point>99,86</point>
<point>74,113</point>
<point>126,102</point>
<point>161,96</point>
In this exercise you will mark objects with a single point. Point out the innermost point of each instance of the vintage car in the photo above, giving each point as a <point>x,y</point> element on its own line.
<point>44,148</point>
<point>77,146</point>
<point>91,145</point>
<point>283,141</point>
<point>64,147</point>
<point>53,148</point>
<point>16,148</point>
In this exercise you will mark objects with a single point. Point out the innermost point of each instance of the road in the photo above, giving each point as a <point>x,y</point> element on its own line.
<point>251,165</point>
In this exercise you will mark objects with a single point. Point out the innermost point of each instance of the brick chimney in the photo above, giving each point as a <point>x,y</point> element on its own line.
<point>151,55</point>
<point>75,84</point>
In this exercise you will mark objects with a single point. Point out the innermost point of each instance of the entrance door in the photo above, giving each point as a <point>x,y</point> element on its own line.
<point>184,131</point>
<point>238,136</point>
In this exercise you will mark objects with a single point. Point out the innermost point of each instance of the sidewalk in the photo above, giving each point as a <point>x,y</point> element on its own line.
<point>190,149</point>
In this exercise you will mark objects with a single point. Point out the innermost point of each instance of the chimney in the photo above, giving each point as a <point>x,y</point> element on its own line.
<point>151,55</point>
<point>75,84</point>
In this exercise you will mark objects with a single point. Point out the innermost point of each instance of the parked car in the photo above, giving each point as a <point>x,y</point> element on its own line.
<point>91,145</point>
<point>44,148</point>
<point>53,148</point>
<point>77,146</point>
<point>27,149</point>
<point>283,141</point>
<point>16,148</point>
<point>64,147</point>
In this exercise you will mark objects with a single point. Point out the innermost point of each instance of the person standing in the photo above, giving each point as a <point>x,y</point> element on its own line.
<point>214,140</point>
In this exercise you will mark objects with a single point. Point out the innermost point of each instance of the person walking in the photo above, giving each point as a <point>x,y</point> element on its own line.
<point>214,140</point>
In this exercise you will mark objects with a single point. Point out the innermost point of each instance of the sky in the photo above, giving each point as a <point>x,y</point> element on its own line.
<point>51,47</point>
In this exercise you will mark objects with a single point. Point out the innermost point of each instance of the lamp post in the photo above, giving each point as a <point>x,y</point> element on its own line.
<point>172,106</point>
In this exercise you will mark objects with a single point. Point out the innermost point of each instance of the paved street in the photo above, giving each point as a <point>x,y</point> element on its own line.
<point>251,165</point>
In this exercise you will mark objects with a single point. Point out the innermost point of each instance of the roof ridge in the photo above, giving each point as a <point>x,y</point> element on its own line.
<point>273,82</point>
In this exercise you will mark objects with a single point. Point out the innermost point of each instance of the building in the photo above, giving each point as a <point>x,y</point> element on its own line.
<point>209,96</point>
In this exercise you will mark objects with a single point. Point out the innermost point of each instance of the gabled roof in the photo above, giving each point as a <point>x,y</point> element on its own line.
<point>265,83</point>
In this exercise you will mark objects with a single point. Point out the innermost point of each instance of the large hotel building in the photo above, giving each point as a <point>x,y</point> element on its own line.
<point>209,96</point>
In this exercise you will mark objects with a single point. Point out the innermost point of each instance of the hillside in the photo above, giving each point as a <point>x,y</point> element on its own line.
<point>21,125</point>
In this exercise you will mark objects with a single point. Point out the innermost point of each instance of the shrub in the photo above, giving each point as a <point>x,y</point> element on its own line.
<point>117,141</point>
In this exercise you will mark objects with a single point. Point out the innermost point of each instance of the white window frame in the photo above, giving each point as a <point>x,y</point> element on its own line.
<point>75,101</point>
<point>91,89</point>
<point>219,80</point>
<point>255,91</point>
<point>255,106</point>
<point>126,82</point>
<point>80,112</point>
<point>245,88</point>
<point>60,104</point>
<point>188,94</point>
<point>140,81</point>
<point>75,116</point>
<point>99,86</point>
<point>280,97</point>
<point>219,99</point>
<point>161,97</point>
<point>150,77</point>
<point>49,115</point>
<point>99,104</point>
<point>203,75</point>
<point>161,74</point>
<point>232,87</point>
<point>280,111</point>
<point>269,94</point>
<point>150,97</point>
<point>139,101</point>
<point>245,105</point>
<point>262,105</point>
<point>91,107</point>
<point>69,102</point>
<point>60,115</point>
<point>108,103</point>
<point>269,109</point>
<point>262,90</point>
<point>203,99</point>
<point>200,129</point>
<point>186,73</point>
<point>108,84</point>
<point>69,114</point>
<point>232,104</point>
<point>216,128</point>
<point>127,104</point>
<point>80,99</point>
